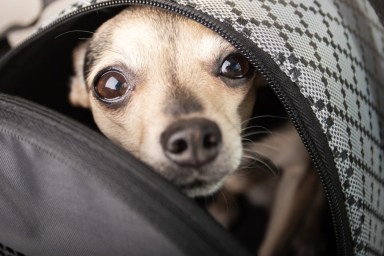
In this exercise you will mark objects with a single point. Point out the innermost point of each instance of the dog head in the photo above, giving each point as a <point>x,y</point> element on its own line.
<point>170,91</point>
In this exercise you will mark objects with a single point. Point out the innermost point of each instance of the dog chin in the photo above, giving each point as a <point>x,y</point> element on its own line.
<point>197,189</point>
<point>190,181</point>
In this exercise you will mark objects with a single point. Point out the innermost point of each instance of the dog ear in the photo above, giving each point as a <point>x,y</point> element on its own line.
<point>78,95</point>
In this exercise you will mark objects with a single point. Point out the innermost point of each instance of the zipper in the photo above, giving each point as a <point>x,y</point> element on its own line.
<point>341,231</point>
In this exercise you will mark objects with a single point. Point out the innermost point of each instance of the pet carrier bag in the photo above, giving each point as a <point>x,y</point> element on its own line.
<point>65,190</point>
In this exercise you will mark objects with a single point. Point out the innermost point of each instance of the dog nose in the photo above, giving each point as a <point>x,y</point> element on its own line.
<point>193,142</point>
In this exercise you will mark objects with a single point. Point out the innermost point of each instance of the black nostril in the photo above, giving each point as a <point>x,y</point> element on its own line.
<point>193,142</point>
<point>177,145</point>
<point>211,140</point>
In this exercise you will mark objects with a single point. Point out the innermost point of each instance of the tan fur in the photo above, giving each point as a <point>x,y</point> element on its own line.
<point>161,52</point>
<point>78,95</point>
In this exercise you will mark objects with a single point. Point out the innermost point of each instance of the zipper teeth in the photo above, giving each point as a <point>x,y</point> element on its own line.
<point>328,193</point>
<point>259,67</point>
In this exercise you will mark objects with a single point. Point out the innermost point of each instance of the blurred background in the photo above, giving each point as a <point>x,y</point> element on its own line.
<point>20,18</point>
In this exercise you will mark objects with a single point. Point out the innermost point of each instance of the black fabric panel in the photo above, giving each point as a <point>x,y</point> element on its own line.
<point>4,46</point>
<point>65,190</point>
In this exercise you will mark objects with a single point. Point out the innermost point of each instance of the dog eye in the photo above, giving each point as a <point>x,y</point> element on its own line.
<point>235,66</point>
<point>111,86</point>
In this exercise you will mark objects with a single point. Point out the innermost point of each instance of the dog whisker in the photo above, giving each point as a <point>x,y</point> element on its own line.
<point>222,194</point>
<point>74,31</point>
<point>260,144</point>
<point>274,133</point>
<point>256,133</point>
<point>255,127</point>
<point>245,170</point>
<point>263,163</point>
<point>264,116</point>
<point>246,141</point>
<point>249,170</point>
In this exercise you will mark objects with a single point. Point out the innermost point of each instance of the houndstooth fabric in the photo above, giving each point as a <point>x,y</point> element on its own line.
<point>334,52</point>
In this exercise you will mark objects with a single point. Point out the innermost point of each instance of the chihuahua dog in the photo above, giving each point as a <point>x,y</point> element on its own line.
<point>178,96</point>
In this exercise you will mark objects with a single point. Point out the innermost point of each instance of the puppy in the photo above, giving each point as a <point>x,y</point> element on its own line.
<point>170,91</point>
<point>178,96</point>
